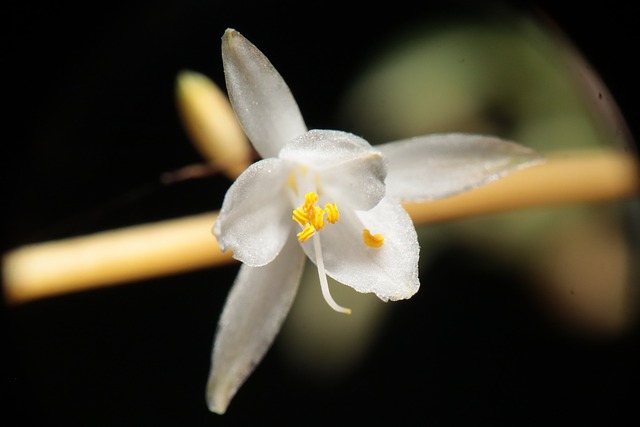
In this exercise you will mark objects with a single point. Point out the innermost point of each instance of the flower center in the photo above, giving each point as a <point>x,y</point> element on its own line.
<point>311,218</point>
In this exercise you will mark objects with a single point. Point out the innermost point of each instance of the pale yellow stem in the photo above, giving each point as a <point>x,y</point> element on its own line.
<point>180,245</point>
<point>572,177</point>
<point>107,258</point>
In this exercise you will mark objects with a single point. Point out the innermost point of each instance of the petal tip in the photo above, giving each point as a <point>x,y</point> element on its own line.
<point>405,293</point>
<point>229,35</point>
<point>216,231</point>
<point>221,387</point>
<point>229,32</point>
<point>217,401</point>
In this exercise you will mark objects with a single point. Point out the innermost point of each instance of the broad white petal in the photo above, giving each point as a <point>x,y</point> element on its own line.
<point>260,97</point>
<point>437,166</point>
<point>348,168</point>
<point>391,271</point>
<point>255,219</point>
<point>252,317</point>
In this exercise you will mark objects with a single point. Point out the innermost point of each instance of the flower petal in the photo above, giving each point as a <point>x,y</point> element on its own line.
<point>252,317</point>
<point>437,166</point>
<point>390,271</point>
<point>349,169</point>
<point>255,219</point>
<point>260,98</point>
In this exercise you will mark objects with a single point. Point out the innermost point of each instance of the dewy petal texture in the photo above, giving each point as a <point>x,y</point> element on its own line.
<point>260,98</point>
<point>437,166</point>
<point>253,314</point>
<point>349,169</point>
<point>255,219</point>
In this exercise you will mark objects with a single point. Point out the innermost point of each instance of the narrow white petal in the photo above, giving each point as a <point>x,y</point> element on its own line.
<point>260,97</point>
<point>437,166</point>
<point>390,271</point>
<point>252,317</point>
<point>348,168</point>
<point>255,219</point>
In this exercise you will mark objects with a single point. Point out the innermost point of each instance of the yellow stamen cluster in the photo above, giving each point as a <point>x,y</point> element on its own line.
<point>311,217</point>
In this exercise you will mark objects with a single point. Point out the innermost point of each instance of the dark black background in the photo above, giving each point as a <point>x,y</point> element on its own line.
<point>90,123</point>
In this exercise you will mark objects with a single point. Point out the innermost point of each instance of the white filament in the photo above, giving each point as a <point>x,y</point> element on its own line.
<point>324,285</point>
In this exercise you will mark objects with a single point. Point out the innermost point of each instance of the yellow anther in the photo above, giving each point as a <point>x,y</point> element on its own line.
<point>308,231</point>
<point>311,217</point>
<point>318,218</point>
<point>373,241</point>
<point>300,217</point>
<point>332,212</point>
<point>310,199</point>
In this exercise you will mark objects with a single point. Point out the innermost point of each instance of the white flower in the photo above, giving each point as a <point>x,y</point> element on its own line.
<point>328,196</point>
